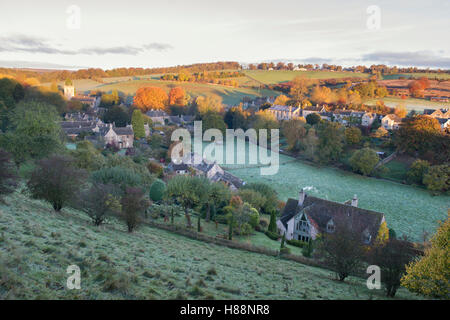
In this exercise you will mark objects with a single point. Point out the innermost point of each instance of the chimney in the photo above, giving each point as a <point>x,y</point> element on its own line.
<point>301,197</point>
<point>355,201</point>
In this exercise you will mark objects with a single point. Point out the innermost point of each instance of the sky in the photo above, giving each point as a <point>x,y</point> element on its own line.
<point>146,33</point>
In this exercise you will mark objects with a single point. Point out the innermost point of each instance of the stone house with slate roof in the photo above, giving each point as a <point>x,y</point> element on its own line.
<point>120,136</point>
<point>307,217</point>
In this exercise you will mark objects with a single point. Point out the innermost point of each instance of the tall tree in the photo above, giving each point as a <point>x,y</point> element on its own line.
<point>34,131</point>
<point>177,97</point>
<point>147,98</point>
<point>430,275</point>
<point>137,121</point>
<point>56,180</point>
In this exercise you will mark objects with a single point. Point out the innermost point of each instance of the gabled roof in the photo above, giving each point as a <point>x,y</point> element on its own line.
<point>393,117</point>
<point>321,211</point>
<point>156,113</point>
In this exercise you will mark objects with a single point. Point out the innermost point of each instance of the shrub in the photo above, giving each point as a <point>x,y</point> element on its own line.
<point>272,235</point>
<point>297,243</point>
<point>122,177</point>
<point>155,168</point>
<point>308,249</point>
<point>157,190</point>
<point>285,250</point>
<point>56,180</point>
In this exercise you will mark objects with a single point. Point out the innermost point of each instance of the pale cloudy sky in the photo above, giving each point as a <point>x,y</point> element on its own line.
<point>148,33</point>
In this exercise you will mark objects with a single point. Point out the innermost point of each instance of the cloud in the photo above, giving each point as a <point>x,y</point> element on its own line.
<point>417,59</point>
<point>37,65</point>
<point>23,43</point>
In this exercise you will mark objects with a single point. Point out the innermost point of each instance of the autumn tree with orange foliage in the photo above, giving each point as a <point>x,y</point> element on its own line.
<point>417,87</point>
<point>177,97</point>
<point>148,98</point>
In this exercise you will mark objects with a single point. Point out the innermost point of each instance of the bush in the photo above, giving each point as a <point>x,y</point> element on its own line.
<point>122,177</point>
<point>272,235</point>
<point>157,190</point>
<point>156,169</point>
<point>285,250</point>
<point>297,243</point>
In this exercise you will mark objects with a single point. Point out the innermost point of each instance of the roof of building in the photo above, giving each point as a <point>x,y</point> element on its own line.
<point>393,117</point>
<point>156,113</point>
<point>321,211</point>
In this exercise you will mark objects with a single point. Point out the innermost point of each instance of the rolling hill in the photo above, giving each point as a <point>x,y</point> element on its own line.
<point>37,246</point>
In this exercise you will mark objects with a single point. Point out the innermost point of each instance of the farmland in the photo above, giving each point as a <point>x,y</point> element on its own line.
<point>409,210</point>
<point>410,103</point>
<point>276,76</point>
<point>37,246</point>
<point>229,95</point>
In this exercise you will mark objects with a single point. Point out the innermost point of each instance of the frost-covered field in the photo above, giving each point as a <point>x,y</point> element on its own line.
<point>37,245</point>
<point>409,210</point>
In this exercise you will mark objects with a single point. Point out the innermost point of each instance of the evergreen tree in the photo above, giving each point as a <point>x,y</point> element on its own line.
<point>273,221</point>
<point>137,121</point>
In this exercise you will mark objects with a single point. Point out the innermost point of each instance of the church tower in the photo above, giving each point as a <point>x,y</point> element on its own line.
<point>69,89</point>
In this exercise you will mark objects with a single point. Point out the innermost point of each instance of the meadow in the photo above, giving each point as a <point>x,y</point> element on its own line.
<point>37,246</point>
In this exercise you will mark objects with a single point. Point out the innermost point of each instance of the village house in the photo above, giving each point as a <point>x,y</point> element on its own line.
<point>212,171</point>
<point>438,113</point>
<point>284,112</point>
<point>317,109</point>
<point>307,217</point>
<point>122,137</point>
<point>368,118</point>
<point>391,122</point>
<point>158,116</point>
<point>445,123</point>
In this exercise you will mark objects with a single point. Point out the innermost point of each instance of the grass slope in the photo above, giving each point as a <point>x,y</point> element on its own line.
<point>37,245</point>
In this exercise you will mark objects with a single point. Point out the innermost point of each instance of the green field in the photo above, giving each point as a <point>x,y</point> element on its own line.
<point>444,76</point>
<point>409,210</point>
<point>410,103</point>
<point>37,246</point>
<point>278,76</point>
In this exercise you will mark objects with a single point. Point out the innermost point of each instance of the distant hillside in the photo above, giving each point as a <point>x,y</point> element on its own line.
<point>37,245</point>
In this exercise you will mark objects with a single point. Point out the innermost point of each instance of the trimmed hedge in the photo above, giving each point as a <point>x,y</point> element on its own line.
<point>272,235</point>
<point>297,243</point>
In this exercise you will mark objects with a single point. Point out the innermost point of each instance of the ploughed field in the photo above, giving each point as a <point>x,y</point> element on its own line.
<point>409,210</point>
<point>37,245</point>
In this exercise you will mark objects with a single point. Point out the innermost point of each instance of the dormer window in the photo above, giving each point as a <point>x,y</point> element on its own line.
<point>330,226</point>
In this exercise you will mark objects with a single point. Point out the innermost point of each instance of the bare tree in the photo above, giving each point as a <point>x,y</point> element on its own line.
<point>342,250</point>
<point>56,180</point>
<point>100,201</point>
<point>8,177</point>
<point>133,206</point>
